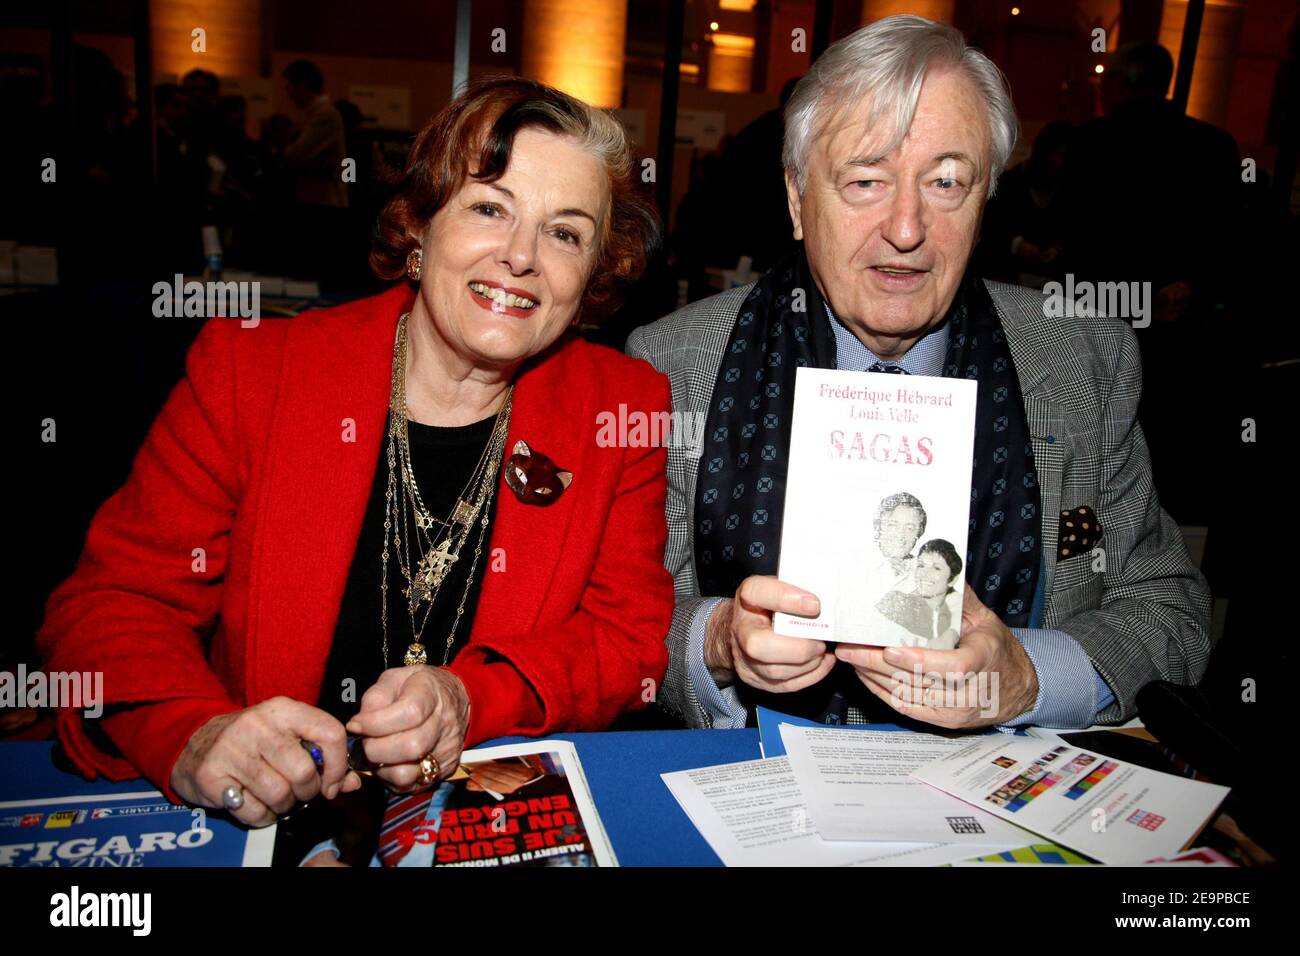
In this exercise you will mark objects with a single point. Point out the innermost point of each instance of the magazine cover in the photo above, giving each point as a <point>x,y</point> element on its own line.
<point>877,506</point>
<point>125,830</point>
<point>514,805</point>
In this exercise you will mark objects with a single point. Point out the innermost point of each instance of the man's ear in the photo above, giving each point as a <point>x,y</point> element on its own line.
<point>795,203</point>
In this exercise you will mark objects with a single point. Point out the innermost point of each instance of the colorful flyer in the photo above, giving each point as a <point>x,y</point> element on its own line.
<point>1109,810</point>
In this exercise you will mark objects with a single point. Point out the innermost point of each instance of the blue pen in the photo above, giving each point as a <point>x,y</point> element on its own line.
<point>318,758</point>
<point>317,755</point>
<point>358,762</point>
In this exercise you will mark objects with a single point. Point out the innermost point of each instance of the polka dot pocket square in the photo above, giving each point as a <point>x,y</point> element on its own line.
<point>1080,532</point>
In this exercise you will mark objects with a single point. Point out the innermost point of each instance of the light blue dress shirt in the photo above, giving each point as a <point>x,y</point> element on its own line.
<point>1066,697</point>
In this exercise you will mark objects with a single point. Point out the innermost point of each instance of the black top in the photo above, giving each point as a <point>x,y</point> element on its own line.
<point>443,459</point>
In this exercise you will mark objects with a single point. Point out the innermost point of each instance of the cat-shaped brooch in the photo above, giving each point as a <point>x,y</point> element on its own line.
<point>533,477</point>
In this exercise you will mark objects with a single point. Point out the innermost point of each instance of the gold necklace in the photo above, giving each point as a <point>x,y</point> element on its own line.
<point>462,512</point>
<point>438,552</point>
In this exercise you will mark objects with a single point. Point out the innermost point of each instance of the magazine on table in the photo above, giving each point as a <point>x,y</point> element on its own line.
<point>136,829</point>
<point>515,805</point>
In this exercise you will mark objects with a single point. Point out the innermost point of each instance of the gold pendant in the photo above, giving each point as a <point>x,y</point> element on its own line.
<point>435,565</point>
<point>415,655</point>
<point>464,513</point>
<point>418,590</point>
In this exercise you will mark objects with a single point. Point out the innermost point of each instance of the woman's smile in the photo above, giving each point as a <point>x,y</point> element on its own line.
<point>502,300</point>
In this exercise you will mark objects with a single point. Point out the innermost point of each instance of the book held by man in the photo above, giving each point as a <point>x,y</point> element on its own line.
<point>877,506</point>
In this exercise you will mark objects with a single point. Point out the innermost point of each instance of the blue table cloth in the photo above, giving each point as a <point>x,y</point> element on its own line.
<point>644,822</point>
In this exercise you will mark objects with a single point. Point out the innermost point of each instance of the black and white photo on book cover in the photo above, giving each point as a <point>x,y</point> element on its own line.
<point>877,506</point>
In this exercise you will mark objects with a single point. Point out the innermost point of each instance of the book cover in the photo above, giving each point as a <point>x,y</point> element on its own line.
<point>877,505</point>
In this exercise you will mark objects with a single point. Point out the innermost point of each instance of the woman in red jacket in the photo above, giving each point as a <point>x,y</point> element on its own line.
<point>393,519</point>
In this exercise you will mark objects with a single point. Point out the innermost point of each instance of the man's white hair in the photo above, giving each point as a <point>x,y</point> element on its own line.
<point>884,64</point>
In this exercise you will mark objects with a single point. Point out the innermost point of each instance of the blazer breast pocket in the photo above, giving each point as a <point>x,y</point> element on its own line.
<point>1076,563</point>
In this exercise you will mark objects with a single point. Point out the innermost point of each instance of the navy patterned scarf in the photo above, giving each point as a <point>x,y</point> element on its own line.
<point>740,491</point>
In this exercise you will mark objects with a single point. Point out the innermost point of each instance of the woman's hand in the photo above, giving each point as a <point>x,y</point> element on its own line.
<point>259,750</point>
<point>408,713</point>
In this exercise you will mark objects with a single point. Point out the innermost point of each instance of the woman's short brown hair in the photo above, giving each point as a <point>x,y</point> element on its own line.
<point>479,126</point>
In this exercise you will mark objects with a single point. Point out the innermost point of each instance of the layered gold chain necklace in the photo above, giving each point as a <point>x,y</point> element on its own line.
<point>438,543</point>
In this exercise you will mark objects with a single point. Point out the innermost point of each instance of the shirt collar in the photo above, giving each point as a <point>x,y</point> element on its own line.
<point>925,357</point>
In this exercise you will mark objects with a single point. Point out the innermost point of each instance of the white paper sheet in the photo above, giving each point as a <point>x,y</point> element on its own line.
<point>858,786</point>
<point>752,814</point>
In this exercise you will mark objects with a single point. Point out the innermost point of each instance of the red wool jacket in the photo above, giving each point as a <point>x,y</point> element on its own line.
<point>263,457</point>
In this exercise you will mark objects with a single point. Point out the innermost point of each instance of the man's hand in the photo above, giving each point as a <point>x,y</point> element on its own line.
<point>740,642</point>
<point>410,712</point>
<point>987,680</point>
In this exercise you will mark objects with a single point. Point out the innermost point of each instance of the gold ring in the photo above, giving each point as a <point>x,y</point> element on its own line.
<point>429,768</point>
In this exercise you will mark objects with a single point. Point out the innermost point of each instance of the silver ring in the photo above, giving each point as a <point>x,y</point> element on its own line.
<point>232,798</point>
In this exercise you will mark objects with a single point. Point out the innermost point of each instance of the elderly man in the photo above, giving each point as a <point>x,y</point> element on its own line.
<point>891,143</point>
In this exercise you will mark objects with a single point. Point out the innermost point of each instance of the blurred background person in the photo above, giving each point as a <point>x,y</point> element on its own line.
<point>1024,228</point>
<point>1151,195</point>
<point>314,156</point>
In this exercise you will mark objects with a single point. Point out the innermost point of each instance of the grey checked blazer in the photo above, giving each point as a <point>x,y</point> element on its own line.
<point>1147,617</point>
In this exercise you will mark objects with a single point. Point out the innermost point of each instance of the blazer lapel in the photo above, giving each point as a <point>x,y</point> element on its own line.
<point>552,413</point>
<point>323,451</point>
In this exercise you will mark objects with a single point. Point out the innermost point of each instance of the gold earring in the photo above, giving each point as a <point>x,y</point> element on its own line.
<point>414,263</point>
